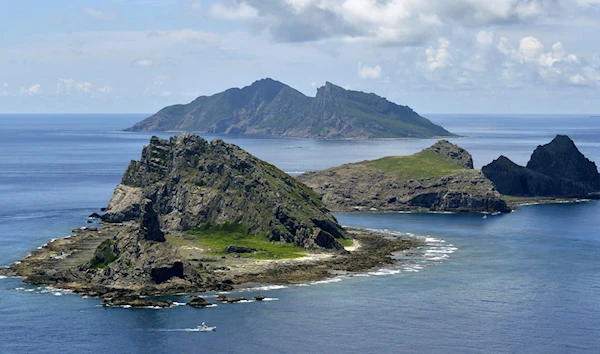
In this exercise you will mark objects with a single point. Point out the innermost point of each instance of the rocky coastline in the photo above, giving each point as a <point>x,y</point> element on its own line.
<point>438,179</point>
<point>58,264</point>
<point>192,216</point>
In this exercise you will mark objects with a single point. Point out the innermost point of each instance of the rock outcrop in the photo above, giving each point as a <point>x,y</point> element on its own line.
<point>440,178</point>
<point>557,169</point>
<point>140,257</point>
<point>192,183</point>
<point>269,107</point>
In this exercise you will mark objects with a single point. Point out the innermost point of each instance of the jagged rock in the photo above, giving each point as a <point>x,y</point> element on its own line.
<point>556,169</point>
<point>452,153</point>
<point>196,184</point>
<point>199,302</point>
<point>239,249</point>
<point>259,297</point>
<point>269,107</point>
<point>150,226</point>
<point>95,216</point>
<point>439,178</point>
<point>134,301</point>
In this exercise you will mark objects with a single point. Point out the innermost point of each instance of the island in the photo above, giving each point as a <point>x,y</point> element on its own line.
<point>269,107</point>
<point>193,216</point>
<point>555,170</point>
<point>440,178</point>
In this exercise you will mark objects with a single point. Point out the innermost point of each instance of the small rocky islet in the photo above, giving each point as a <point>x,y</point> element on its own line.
<point>556,170</point>
<point>440,178</point>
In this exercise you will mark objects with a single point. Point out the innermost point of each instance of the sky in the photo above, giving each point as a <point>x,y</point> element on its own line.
<point>436,56</point>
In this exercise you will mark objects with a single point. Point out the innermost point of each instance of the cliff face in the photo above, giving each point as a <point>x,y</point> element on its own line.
<point>196,184</point>
<point>440,178</point>
<point>557,169</point>
<point>271,108</point>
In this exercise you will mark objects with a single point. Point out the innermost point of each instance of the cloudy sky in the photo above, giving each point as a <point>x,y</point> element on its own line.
<point>437,56</point>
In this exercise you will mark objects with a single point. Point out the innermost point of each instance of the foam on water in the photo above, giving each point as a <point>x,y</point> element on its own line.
<point>261,288</point>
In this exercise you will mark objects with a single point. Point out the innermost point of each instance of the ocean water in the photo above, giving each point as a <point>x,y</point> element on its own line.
<point>525,282</point>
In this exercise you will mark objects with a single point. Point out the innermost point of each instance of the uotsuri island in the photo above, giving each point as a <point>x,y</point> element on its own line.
<point>269,107</point>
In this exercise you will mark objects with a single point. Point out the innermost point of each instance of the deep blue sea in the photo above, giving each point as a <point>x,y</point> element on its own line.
<point>525,282</point>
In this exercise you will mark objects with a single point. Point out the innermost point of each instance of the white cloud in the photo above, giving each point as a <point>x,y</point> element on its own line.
<point>485,38</point>
<point>577,80</point>
<point>369,72</point>
<point>98,15</point>
<point>33,90</point>
<point>142,63</point>
<point>440,57</point>
<point>105,89</point>
<point>395,22</point>
<point>532,63</point>
<point>155,88</point>
<point>530,49</point>
<point>236,12</point>
<point>68,87</point>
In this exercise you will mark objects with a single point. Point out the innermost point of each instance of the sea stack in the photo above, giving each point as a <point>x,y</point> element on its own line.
<point>557,169</point>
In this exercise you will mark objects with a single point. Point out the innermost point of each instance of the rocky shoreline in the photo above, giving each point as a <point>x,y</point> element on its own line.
<point>58,264</point>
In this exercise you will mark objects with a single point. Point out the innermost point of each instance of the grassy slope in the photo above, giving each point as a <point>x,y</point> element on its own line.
<point>425,164</point>
<point>216,239</point>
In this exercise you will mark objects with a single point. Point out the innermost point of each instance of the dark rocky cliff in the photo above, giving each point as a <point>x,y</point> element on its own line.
<point>272,108</point>
<point>196,184</point>
<point>557,169</point>
<point>440,178</point>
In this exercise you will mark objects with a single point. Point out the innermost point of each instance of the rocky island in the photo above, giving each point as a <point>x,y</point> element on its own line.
<point>269,107</point>
<point>439,178</point>
<point>192,216</point>
<point>555,170</point>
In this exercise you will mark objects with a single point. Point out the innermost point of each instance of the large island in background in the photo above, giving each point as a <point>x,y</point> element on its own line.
<point>269,107</point>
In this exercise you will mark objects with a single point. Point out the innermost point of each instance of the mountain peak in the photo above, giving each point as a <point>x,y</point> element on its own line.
<point>269,107</point>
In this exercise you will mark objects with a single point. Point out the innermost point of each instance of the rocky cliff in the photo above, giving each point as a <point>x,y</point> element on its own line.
<point>270,107</point>
<point>194,184</point>
<point>440,178</point>
<point>557,169</point>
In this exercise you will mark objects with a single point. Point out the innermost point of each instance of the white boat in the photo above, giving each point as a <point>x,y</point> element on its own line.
<point>204,328</point>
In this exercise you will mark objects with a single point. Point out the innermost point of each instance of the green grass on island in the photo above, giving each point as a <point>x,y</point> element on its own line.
<point>103,255</point>
<point>425,164</point>
<point>346,242</point>
<point>215,239</point>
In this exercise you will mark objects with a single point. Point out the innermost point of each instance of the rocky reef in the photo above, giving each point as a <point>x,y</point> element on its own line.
<point>269,107</point>
<point>439,178</point>
<point>557,169</point>
<point>194,184</point>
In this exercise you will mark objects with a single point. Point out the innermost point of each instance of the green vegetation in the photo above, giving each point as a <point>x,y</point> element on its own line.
<point>346,242</point>
<point>217,238</point>
<point>274,108</point>
<point>103,256</point>
<point>425,164</point>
